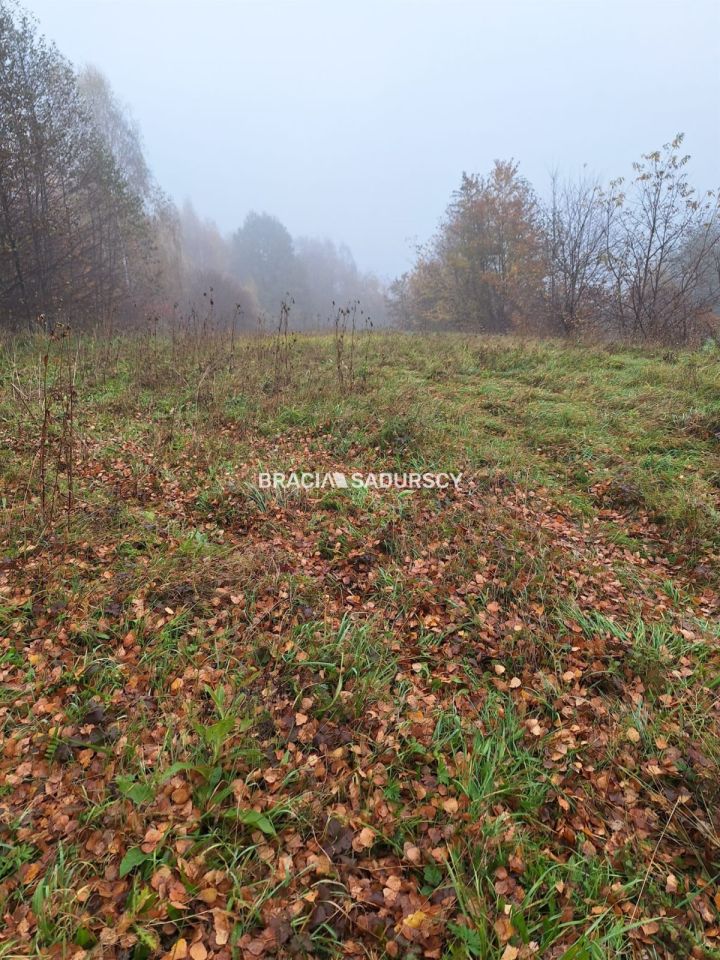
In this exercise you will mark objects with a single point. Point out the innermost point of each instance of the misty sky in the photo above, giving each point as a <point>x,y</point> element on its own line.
<point>354,120</point>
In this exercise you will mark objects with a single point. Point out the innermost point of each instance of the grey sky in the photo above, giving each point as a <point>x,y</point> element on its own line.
<point>355,119</point>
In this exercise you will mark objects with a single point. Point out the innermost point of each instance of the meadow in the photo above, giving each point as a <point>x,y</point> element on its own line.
<point>245,722</point>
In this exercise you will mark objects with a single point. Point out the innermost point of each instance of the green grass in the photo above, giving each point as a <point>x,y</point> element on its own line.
<point>458,722</point>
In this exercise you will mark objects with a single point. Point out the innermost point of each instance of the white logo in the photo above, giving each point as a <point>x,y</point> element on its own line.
<point>314,480</point>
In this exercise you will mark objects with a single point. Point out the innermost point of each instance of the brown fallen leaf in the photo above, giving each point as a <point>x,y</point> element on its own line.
<point>222,927</point>
<point>412,853</point>
<point>364,840</point>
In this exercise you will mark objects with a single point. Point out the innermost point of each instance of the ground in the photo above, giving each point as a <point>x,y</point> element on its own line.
<point>241,722</point>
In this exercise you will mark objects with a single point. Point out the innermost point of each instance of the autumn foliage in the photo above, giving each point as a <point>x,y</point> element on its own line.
<point>632,261</point>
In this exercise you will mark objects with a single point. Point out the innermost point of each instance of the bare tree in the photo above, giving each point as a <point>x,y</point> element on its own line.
<point>656,273</point>
<point>576,241</point>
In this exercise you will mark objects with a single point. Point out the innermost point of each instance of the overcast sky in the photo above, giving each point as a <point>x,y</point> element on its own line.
<point>355,118</point>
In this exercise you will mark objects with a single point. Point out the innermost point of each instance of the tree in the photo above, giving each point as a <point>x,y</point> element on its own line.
<point>208,283</point>
<point>660,241</point>
<point>42,135</point>
<point>329,275</point>
<point>118,131</point>
<point>576,242</point>
<point>485,267</point>
<point>642,263</point>
<point>263,259</point>
<point>71,227</point>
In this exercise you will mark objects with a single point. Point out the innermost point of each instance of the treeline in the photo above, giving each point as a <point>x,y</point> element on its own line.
<point>87,236</point>
<point>633,260</point>
<point>261,266</point>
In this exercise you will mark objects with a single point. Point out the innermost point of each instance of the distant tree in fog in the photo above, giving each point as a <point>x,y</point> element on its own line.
<point>204,245</point>
<point>331,276</point>
<point>118,130</point>
<point>263,259</point>
<point>209,283</point>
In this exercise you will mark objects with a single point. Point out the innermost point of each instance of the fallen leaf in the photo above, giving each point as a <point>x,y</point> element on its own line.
<point>415,920</point>
<point>179,950</point>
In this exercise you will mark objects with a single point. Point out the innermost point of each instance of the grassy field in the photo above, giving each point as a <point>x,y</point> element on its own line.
<point>241,722</point>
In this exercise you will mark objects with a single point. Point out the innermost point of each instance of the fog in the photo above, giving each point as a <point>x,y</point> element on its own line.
<point>354,121</point>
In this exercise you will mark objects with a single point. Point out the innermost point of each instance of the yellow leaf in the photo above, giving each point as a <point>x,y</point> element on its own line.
<point>415,920</point>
